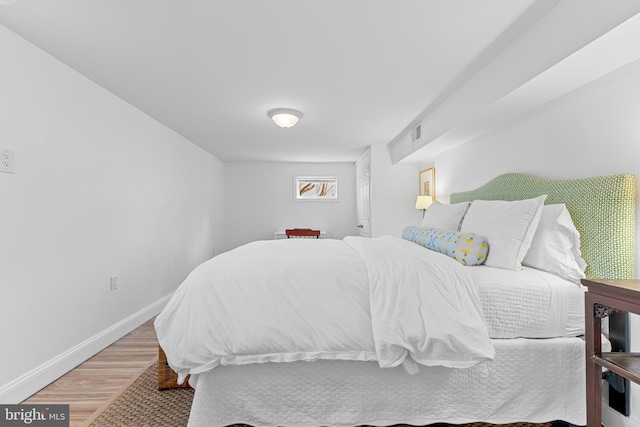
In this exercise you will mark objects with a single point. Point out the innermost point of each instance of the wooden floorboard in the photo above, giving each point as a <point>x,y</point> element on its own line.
<point>94,383</point>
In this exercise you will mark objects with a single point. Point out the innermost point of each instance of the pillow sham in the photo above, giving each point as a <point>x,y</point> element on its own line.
<point>466,248</point>
<point>445,217</point>
<point>508,226</point>
<point>555,247</point>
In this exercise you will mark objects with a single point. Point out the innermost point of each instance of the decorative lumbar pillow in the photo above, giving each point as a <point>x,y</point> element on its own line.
<point>508,226</point>
<point>408,232</point>
<point>445,217</point>
<point>556,245</point>
<point>466,248</point>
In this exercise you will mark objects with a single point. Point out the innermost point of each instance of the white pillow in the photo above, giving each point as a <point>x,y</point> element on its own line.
<point>508,226</point>
<point>556,245</point>
<point>445,217</point>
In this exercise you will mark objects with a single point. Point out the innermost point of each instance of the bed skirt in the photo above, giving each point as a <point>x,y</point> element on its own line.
<point>534,381</point>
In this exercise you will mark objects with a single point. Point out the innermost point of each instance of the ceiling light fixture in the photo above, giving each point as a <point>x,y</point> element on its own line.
<point>285,117</point>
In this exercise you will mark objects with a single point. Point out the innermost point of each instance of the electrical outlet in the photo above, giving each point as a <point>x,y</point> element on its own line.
<point>7,161</point>
<point>113,283</point>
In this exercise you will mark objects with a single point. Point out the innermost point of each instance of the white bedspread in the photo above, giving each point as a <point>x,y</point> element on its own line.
<point>529,303</point>
<point>530,380</point>
<point>356,299</point>
<point>422,304</point>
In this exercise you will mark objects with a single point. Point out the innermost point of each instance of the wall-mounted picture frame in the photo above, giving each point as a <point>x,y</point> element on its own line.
<point>427,183</point>
<point>316,187</point>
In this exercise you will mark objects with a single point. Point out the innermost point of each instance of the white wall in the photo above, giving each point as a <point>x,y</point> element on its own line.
<point>394,189</point>
<point>592,131</point>
<point>100,189</point>
<point>259,200</point>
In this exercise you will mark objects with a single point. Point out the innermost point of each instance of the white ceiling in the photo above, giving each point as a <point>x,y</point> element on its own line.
<point>360,70</point>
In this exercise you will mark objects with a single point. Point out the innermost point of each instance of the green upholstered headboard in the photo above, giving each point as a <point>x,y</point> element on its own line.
<point>602,209</point>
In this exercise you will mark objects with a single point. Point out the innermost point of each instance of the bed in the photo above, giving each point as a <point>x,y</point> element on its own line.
<point>397,330</point>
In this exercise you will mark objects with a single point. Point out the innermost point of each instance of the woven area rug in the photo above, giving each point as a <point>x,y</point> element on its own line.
<point>143,405</point>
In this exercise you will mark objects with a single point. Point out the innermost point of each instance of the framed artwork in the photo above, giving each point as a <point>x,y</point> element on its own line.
<point>427,183</point>
<point>316,188</point>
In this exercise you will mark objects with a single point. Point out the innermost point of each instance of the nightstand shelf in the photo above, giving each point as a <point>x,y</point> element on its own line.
<point>624,364</point>
<point>603,298</point>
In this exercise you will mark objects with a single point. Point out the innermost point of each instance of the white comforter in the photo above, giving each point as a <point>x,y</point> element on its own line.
<point>379,299</point>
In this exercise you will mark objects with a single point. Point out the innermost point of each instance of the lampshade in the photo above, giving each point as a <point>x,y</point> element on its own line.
<point>285,117</point>
<point>423,202</point>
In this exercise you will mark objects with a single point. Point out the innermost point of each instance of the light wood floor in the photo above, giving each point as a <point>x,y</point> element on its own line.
<point>93,384</point>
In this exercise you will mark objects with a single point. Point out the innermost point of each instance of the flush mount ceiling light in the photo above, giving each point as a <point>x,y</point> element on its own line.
<point>285,117</point>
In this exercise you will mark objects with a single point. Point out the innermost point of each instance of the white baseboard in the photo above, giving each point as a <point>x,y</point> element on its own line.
<point>19,389</point>
<point>613,418</point>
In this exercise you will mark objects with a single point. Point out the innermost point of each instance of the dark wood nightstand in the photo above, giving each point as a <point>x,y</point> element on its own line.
<point>603,298</point>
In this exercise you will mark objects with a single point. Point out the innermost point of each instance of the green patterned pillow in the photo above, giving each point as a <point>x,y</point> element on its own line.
<point>466,248</point>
